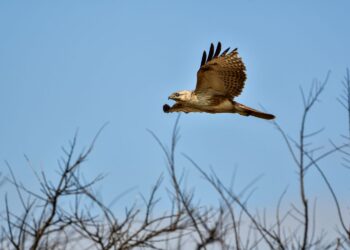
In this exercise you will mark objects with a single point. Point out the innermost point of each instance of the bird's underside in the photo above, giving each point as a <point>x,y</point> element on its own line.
<point>220,78</point>
<point>227,106</point>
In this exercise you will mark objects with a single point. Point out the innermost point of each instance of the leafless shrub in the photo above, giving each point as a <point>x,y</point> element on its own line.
<point>46,224</point>
<point>306,157</point>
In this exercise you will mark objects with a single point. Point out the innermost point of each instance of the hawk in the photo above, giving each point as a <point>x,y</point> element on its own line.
<point>220,78</point>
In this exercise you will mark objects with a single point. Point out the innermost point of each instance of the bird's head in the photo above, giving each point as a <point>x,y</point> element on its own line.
<point>181,96</point>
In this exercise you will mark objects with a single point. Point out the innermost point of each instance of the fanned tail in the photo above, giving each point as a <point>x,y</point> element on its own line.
<point>247,111</point>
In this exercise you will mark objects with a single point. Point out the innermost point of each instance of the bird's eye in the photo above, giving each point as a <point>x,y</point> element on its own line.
<point>177,94</point>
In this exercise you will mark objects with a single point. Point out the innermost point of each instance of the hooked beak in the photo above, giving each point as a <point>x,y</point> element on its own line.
<point>171,97</point>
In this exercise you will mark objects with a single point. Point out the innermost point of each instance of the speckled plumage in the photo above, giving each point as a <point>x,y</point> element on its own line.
<point>225,75</point>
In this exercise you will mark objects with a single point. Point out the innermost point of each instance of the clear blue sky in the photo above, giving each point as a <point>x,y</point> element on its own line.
<point>66,65</point>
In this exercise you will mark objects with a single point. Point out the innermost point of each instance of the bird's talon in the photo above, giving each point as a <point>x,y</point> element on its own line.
<point>166,108</point>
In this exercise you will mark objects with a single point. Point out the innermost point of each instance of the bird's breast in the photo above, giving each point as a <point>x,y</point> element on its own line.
<point>214,104</point>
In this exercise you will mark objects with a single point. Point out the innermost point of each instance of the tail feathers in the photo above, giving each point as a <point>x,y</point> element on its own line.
<point>246,111</point>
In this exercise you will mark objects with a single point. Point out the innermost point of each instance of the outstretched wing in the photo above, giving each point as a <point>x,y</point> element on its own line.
<point>221,74</point>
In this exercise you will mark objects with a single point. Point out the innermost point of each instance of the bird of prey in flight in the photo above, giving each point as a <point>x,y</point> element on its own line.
<point>220,78</point>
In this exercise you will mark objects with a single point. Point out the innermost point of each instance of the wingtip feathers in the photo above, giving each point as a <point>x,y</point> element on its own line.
<point>204,58</point>
<point>214,53</point>
<point>217,51</point>
<point>211,52</point>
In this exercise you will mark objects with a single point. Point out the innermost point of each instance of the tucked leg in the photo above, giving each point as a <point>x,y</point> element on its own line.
<point>177,107</point>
